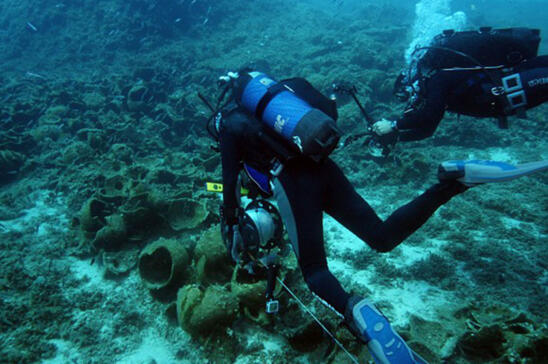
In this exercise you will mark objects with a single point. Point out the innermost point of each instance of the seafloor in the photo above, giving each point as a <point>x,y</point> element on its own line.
<point>103,151</point>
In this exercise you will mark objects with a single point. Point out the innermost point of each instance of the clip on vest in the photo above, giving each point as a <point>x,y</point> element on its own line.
<point>513,88</point>
<point>276,169</point>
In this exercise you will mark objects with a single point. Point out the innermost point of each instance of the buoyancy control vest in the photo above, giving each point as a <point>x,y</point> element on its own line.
<point>294,112</point>
<point>485,47</point>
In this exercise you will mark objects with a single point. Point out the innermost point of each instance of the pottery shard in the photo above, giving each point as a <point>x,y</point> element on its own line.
<point>162,263</point>
<point>185,214</point>
<point>485,344</point>
<point>200,314</point>
<point>10,161</point>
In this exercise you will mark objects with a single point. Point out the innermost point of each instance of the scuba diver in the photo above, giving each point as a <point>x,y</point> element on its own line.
<point>290,150</point>
<point>281,134</point>
<point>485,73</point>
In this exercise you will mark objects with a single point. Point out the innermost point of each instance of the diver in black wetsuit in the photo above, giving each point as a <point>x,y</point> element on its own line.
<point>304,189</point>
<point>494,91</point>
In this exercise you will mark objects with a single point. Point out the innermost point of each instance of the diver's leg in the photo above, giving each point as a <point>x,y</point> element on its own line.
<point>363,319</point>
<point>298,192</point>
<point>350,209</point>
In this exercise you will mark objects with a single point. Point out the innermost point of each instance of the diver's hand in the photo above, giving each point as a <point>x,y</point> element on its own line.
<point>233,241</point>
<point>383,127</point>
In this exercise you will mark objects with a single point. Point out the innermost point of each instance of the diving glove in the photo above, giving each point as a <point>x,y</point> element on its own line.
<point>233,241</point>
<point>383,127</point>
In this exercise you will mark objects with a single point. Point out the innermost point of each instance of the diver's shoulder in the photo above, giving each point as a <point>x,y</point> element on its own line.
<point>237,121</point>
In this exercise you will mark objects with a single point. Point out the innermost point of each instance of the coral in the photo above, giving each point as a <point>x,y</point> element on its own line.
<point>433,268</point>
<point>54,114</point>
<point>122,152</point>
<point>77,152</point>
<point>93,100</point>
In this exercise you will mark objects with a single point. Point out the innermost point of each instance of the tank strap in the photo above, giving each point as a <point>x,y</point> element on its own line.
<point>271,92</point>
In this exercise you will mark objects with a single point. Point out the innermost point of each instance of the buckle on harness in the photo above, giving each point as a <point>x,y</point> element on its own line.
<point>512,83</point>
<point>276,169</point>
<point>218,122</point>
<point>513,89</point>
<point>517,99</point>
<point>272,306</point>
<point>497,90</point>
<point>297,141</point>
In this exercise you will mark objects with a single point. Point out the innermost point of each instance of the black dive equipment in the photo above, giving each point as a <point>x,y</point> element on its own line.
<point>485,48</point>
<point>492,51</point>
<point>216,115</point>
<point>293,111</point>
<point>379,146</point>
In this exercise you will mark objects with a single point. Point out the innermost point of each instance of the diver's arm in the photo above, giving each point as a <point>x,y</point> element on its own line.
<point>231,160</point>
<point>420,123</point>
<point>231,165</point>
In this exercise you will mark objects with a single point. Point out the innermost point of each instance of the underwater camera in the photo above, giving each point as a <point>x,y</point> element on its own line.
<point>261,227</point>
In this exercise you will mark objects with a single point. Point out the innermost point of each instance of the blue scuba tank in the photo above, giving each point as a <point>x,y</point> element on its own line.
<point>305,129</point>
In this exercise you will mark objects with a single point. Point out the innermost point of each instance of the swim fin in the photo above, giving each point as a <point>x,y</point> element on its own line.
<point>474,172</point>
<point>384,344</point>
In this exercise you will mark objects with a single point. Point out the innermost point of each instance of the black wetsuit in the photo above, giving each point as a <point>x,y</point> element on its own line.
<point>305,189</point>
<point>469,93</point>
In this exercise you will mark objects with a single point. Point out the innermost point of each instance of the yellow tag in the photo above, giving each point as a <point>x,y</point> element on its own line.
<point>218,187</point>
<point>214,187</point>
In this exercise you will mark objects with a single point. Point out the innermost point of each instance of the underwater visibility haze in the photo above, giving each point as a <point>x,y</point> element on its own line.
<point>110,244</point>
